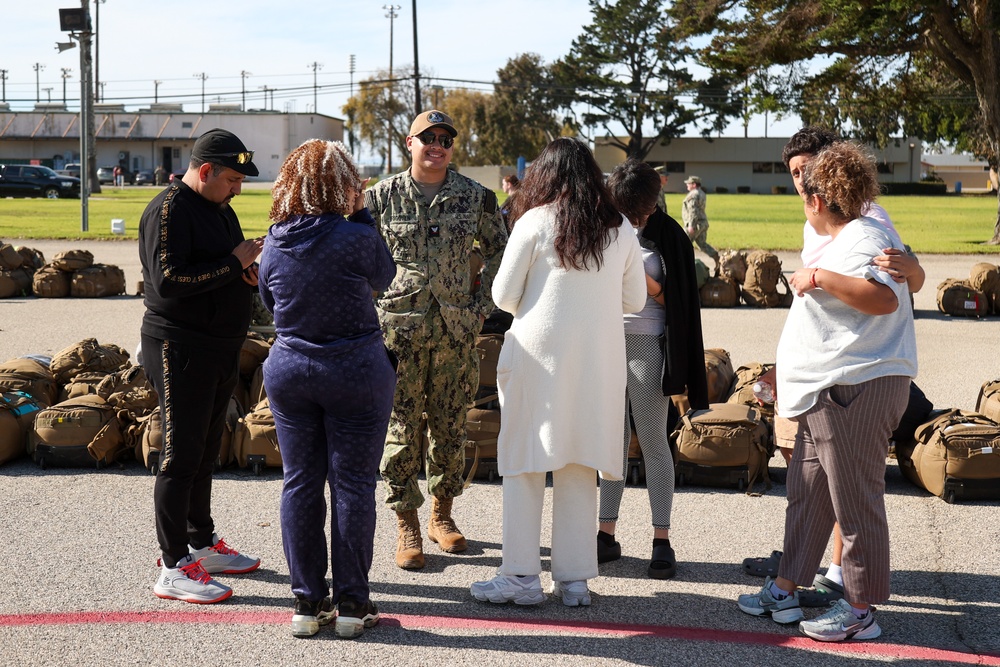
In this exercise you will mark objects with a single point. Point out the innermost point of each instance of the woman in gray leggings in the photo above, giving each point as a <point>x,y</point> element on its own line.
<point>635,187</point>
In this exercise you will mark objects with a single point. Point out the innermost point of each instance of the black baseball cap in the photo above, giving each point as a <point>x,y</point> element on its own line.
<point>220,146</point>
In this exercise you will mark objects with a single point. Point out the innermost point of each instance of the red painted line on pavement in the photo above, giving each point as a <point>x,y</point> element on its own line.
<point>406,621</point>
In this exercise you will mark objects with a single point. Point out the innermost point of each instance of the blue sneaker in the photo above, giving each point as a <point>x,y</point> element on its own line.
<point>764,604</point>
<point>840,623</point>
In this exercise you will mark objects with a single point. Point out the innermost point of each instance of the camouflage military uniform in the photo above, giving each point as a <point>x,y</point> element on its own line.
<point>696,221</point>
<point>430,319</point>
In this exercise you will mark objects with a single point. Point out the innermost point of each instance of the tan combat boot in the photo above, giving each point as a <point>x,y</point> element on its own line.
<point>409,545</point>
<point>442,529</point>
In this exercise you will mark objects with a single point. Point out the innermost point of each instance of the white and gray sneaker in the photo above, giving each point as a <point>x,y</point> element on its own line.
<point>840,623</point>
<point>573,593</point>
<point>506,588</point>
<point>785,610</point>
<point>189,582</point>
<point>220,558</point>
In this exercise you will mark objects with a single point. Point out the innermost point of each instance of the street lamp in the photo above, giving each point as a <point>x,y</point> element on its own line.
<point>77,23</point>
<point>912,147</point>
<point>65,75</point>
<point>243,86</point>
<point>156,91</point>
<point>48,91</point>
<point>97,49</point>
<point>315,66</point>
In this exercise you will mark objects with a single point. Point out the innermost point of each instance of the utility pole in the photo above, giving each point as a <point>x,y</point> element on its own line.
<point>38,67</point>
<point>350,115</point>
<point>416,65</point>
<point>97,49</point>
<point>202,76</point>
<point>243,87</point>
<point>265,89</point>
<point>391,15</point>
<point>315,66</point>
<point>156,91</point>
<point>48,91</point>
<point>100,90</point>
<point>3,81</point>
<point>65,75</point>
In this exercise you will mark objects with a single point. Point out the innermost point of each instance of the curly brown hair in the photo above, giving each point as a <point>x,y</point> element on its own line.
<point>314,179</point>
<point>844,176</point>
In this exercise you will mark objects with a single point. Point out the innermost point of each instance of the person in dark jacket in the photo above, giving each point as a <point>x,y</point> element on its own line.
<point>664,348</point>
<point>329,379</point>
<point>198,278</point>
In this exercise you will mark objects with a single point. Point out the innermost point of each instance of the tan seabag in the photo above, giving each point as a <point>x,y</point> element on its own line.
<point>17,413</point>
<point>727,444</point>
<point>87,355</point>
<point>73,260</point>
<point>955,456</point>
<point>50,282</point>
<point>31,377</point>
<point>80,432</point>
<point>988,403</point>
<point>255,443</point>
<point>97,281</point>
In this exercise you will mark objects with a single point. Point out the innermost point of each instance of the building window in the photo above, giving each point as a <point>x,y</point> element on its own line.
<point>177,154</point>
<point>780,168</point>
<point>885,167</point>
<point>187,125</point>
<point>763,167</point>
<point>673,167</point>
<point>123,123</point>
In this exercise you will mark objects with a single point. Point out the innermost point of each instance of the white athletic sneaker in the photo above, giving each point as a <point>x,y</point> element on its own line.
<point>189,582</point>
<point>840,623</point>
<point>220,558</point>
<point>503,588</point>
<point>764,604</point>
<point>573,593</point>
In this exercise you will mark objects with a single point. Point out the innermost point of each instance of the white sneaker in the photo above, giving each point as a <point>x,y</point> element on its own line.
<point>189,582</point>
<point>840,623</point>
<point>220,558</point>
<point>503,588</point>
<point>573,593</point>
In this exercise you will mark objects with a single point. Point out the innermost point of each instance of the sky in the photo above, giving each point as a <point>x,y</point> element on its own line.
<point>277,42</point>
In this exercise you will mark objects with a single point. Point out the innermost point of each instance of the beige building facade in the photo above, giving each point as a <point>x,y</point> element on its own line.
<point>159,135</point>
<point>749,165</point>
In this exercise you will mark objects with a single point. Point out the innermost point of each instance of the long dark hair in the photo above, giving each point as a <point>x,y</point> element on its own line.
<point>566,174</point>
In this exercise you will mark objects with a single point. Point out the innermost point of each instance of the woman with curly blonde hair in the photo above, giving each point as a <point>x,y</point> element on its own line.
<point>844,363</point>
<point>328,378</point>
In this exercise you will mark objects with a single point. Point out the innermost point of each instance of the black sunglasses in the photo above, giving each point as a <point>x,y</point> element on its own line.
<point>241,158</point>
<point>427,138</point>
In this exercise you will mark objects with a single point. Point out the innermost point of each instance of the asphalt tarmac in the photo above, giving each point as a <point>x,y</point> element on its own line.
<point>78,548</point>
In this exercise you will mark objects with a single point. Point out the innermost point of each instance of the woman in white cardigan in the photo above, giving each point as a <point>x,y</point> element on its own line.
<point>571,268</point>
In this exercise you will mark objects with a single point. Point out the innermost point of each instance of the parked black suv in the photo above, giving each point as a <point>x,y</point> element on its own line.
<point>24,180</point>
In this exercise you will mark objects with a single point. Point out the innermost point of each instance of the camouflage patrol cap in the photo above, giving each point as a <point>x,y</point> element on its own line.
<point>432,118</point>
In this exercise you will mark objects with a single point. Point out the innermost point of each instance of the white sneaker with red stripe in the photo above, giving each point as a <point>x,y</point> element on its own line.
<point>189,582</point>
<point>220,558</point>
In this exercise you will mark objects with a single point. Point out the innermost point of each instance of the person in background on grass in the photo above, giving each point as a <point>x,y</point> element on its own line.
<point>431,217</point>
<point>661,199</point>
<point>695,218</point>
<point>509,184</point>
<point>671,314</point>
<point>844,363</point>
<point>328,378</point>
<point>572,268</point>
<point>903,267</point>
<point>198,275</point>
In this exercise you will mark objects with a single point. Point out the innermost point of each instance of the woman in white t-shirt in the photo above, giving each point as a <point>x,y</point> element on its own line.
<point>844,363</point>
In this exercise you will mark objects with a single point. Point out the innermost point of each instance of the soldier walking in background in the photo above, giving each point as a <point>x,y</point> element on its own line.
<point>695,219</point>
<point>430,217</point>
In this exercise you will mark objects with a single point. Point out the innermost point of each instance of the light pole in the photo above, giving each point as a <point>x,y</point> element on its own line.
<point>243,86</point>
<point>156,91</point>
<point>3,81</point>
<point>202,76</point>
<point>100,90</point>
<point>315,66</point>
<point>265,89</point>
<point>38,67</point>
<point>416,65</point>
<point>912,146</point>
<point>48,91</point>
<point>391,15</point>
<point>65,75</point>
<point>97,49</point>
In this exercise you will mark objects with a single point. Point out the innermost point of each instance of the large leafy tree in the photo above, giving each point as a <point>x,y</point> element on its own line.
<point>521,116</point>
<point>628,70</point>
<point>466,108</point>
<point>381,111</point>
<point>873,62</point>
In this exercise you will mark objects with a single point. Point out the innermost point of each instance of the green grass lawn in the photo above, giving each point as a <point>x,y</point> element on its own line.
<point>944,224</point>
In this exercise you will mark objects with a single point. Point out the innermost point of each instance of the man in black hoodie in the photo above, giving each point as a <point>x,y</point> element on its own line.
<point>198,274</point>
